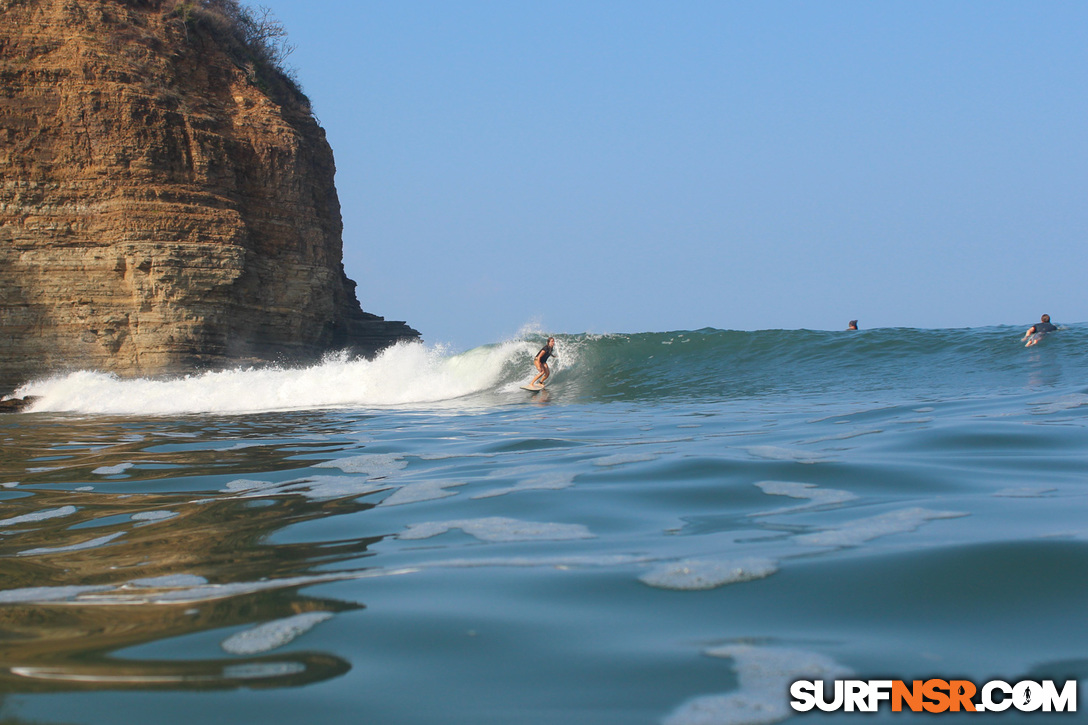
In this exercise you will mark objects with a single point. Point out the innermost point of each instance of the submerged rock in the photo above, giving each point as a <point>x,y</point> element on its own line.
<point>166,197</point>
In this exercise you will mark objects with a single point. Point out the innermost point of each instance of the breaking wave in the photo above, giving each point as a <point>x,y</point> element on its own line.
<point>703,364</point>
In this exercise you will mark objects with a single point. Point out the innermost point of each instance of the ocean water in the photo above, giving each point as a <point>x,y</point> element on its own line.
<point>680,526</point>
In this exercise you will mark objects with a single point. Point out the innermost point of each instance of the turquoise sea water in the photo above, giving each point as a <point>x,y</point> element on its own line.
<point>679,527</point>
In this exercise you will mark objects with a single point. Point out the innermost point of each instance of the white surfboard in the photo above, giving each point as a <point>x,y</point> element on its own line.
<point>533,388</point>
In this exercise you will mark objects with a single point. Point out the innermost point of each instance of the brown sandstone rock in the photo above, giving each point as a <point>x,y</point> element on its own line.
<point>166,201</point>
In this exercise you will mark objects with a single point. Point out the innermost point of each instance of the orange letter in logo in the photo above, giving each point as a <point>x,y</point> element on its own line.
<point>933,689</point>
<point>913,696</point>
<point>961,692</point>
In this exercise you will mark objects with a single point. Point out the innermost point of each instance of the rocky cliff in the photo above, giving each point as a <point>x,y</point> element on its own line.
<point>166,197</point>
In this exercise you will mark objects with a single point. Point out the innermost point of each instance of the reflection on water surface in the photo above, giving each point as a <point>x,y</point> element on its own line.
<point>94,560</point>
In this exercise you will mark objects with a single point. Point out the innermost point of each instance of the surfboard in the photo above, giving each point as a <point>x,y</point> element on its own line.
<point>532,388</point>
<point>1034,339</point>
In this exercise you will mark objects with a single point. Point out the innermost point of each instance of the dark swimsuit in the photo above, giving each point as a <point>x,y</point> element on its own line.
<point>1045,327</point>
<point>547,354</point>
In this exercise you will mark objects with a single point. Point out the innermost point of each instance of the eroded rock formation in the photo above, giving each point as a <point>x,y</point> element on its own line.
<point>166,199</point>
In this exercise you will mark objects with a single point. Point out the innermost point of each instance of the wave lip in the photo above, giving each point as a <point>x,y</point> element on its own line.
<point>403,375</point>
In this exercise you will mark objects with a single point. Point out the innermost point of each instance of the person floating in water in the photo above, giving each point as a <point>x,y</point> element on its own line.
<point>1043,325</point>
<point>541,362</point>
<point>1040,328</point>
<point>853,325</point>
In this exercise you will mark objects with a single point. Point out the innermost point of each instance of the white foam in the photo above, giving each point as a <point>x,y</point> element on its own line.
<point>621,459</point>
<point>170,581</point>
<point>112,470</point>
<point>91,544</point>
<point>245,484</point>
<point>556,562</point>
<point>243,446</point>
<point>30,595</point>
<point>191,589</point>
<point>859,531</point>
<point>272,635</point>
<point>552,481</point>
<point>37,516</point>
<point>497,528</point>
<point>777,453</point>
<point>404,374</point>
<point>373,465</point>
<point>425,491</point>
<point>764,675</point>
<point>817,496</point>
<point>698,574</point>
<point>222,591</point>
<point>324,488</point>
<point>152,516</point>
<point>318,488</point>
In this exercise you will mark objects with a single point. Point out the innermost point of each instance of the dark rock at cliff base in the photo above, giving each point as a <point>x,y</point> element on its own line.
<point>17,405</point>
<point>166,198</point>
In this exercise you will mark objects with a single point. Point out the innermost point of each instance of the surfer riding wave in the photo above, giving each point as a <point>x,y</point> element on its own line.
<point>540,362</point>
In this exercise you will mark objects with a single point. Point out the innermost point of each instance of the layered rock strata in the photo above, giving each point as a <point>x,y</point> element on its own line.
<point>166,198</point>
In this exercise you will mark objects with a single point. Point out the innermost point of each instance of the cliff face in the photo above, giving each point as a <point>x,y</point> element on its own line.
<point>165,204</point>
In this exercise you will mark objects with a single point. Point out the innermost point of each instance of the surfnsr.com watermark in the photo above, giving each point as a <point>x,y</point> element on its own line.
<point>934,695</point>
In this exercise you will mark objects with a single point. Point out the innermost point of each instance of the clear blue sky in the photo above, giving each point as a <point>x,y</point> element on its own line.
<point>634,166</point>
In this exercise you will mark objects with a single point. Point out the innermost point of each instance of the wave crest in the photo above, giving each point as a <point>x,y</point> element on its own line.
<point>706,364</point>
